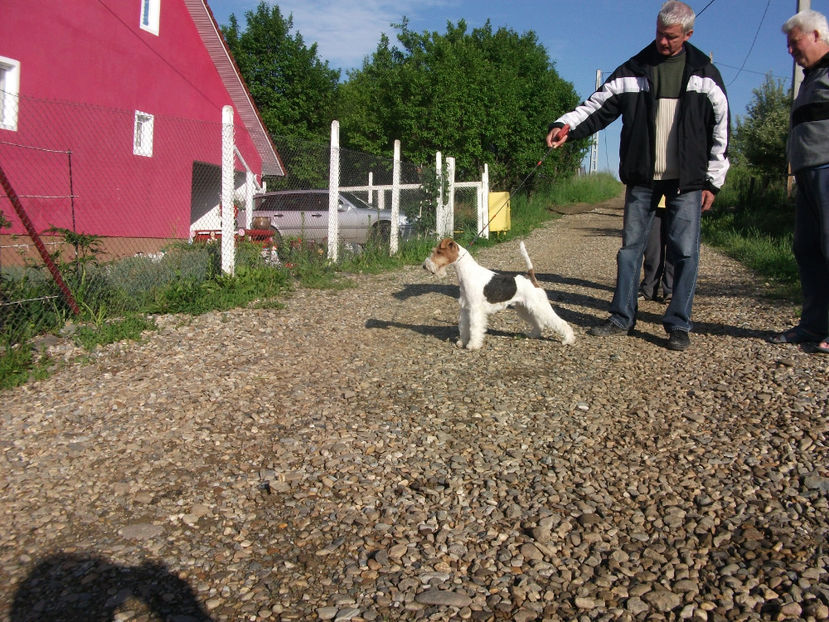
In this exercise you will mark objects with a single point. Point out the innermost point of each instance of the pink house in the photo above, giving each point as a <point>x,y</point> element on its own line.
<point>111,117</point>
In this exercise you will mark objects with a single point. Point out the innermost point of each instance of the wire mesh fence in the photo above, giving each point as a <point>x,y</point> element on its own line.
<point>126,206</point>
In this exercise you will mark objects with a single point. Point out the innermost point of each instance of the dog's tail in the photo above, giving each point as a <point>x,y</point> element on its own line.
<point>530,270</point>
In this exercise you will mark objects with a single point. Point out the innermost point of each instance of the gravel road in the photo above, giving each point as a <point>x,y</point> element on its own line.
<point>341,459</point>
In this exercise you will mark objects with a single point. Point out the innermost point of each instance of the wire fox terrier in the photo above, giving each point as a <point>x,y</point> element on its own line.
<point>484,292</point>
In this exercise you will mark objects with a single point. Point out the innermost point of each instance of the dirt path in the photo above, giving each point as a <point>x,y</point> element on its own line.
<point>341,459</point>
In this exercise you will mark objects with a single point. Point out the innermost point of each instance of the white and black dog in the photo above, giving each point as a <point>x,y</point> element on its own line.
<point>484,292</point>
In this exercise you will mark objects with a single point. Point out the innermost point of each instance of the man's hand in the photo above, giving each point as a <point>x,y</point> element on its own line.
<point>707,200</point>
<point>557,136</point>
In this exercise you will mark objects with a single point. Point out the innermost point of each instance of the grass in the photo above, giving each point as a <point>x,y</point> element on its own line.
<point>753,223</point>
<point>19,363</point>
<point>118,299</point>
<point>584,189</point>
<point>109,331</point>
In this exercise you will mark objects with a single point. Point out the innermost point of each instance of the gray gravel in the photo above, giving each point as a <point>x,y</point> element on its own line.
<point>341,459</point>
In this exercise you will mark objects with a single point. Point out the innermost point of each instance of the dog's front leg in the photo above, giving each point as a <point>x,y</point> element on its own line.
<point>477,329</point>
<point>463,327</point>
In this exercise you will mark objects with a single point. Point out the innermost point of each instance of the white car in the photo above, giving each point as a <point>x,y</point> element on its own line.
<point>304,214</point>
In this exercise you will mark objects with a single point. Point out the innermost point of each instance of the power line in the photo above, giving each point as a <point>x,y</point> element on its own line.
<point>759,73</point>
<point>705,7</point>
<point>753,41</point>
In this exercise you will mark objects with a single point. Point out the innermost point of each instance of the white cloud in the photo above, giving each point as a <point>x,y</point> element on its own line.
<point>347,32</point>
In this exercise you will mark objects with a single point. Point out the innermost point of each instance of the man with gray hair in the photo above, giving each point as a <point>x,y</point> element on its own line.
<point>674,143</point>
<point>807,38</point>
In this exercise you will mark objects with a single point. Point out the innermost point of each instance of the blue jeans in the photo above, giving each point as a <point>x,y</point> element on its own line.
<point>683,226</point>
<point>811,247</point>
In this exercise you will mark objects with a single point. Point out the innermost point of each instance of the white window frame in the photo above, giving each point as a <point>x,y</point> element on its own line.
<point>150,15</point>
<point>9,93</point>
<point>142,142</point>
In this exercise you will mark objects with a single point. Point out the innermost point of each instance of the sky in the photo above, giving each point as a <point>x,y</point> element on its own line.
<point>580,36</point>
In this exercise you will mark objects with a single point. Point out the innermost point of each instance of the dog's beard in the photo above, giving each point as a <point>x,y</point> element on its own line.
<point>439,271</point>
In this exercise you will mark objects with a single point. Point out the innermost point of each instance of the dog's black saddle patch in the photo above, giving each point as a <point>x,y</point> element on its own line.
<point>500,288</point>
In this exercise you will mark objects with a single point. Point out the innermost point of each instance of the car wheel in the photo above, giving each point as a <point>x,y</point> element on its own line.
<point>380,233</point>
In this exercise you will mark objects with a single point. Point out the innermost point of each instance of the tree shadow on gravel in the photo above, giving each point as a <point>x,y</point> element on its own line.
<point>549,277</point>
<point>421,289</point>
<point>738,332</point>
<point>699,328</point>
<point>85,588</point>
<point>604,232</point>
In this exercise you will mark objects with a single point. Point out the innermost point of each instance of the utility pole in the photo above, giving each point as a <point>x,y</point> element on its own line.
<point>797,71</point>
<point>594,144</point>
<point>797,78</point>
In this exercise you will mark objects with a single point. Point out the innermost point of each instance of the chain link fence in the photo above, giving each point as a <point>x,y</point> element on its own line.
<point>99,232</point>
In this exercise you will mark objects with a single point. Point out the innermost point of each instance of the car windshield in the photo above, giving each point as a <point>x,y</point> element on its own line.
<point>357,201</point>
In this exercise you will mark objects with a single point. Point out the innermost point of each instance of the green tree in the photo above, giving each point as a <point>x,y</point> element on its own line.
<point>759,141</point>
<point>293,89</point>
<point>482,97</point>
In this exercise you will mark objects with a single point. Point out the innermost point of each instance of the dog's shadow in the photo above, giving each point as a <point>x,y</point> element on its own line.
<point>446,332</point>
<point>449,331</point>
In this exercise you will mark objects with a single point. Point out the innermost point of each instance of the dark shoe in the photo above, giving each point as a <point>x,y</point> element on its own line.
<point>679,340</point>
<point>796,334</point>
<point>608,329</point>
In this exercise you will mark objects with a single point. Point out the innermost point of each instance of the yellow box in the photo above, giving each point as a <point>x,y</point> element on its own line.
<point>499,211</point>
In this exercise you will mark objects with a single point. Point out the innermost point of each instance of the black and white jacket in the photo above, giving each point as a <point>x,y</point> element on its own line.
<point>703,124</point>
<point>809,138</point>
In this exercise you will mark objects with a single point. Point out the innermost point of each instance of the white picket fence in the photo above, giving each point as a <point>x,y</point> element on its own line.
<point>375,192</point>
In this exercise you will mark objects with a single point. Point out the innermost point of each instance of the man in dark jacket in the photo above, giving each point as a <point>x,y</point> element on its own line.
<point>807,36</point>
<point>674,142</point>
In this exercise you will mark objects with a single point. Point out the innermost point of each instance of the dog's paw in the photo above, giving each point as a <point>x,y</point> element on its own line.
<point>568,338</point>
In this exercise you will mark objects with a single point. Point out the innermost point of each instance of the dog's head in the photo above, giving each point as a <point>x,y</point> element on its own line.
<point>444,254</point>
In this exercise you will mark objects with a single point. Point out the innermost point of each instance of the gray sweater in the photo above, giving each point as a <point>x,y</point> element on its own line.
<point>809,137</point>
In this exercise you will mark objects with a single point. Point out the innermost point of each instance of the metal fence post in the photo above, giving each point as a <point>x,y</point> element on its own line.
<point>250,184</point>
<point>440,219</point>
<point>228,217</point>
<point>395,200</point>
<point>370,188</point>
<point>483,204</point>
<point>333,191</point>
<point>450,200</point>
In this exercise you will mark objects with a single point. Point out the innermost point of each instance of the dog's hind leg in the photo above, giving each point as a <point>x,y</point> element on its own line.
<point>559,326</point>
<point>531,319</point>
<point>542,315</point>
